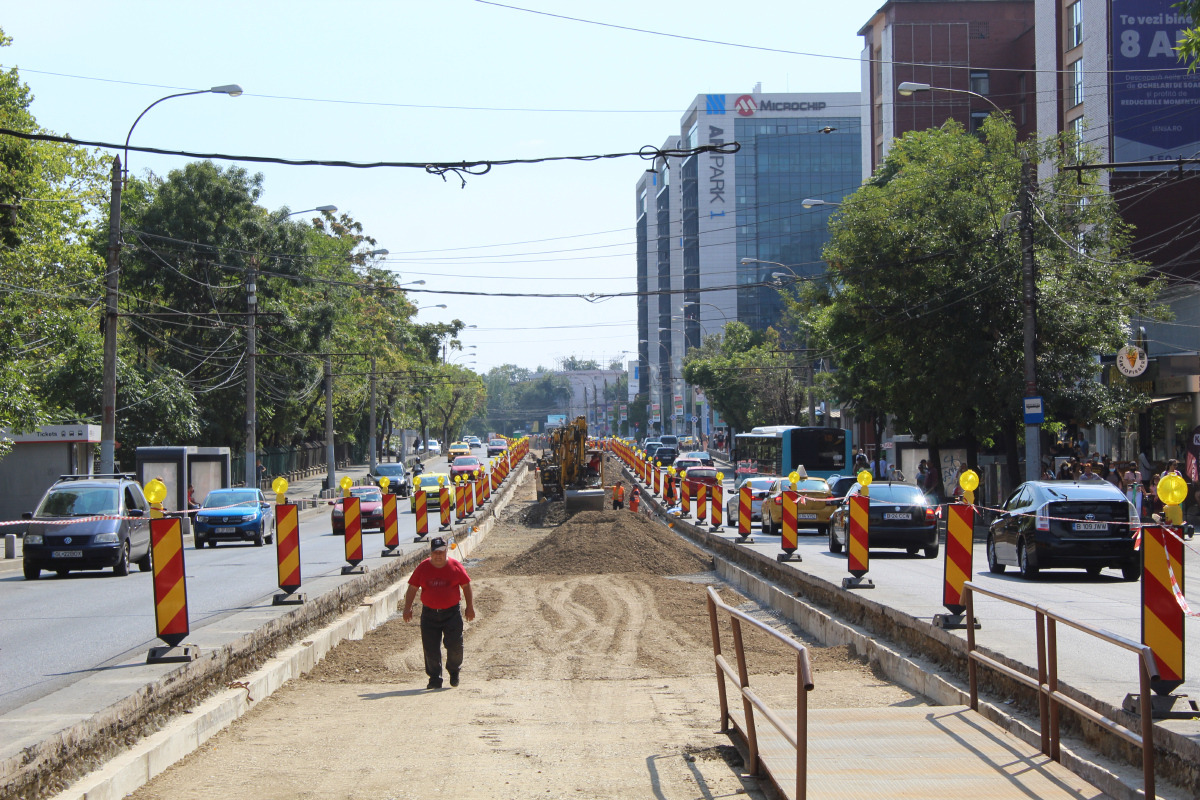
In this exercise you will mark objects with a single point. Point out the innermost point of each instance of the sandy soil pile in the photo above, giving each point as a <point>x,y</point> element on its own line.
<point>610,542</point>
<point>541,515</point>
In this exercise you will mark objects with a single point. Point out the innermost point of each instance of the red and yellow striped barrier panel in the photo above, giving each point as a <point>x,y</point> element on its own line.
<point>352,518</point>
<point>444,505</point>
<point>170,581</point>
<point>701,501</point>
<point>685,498</point>
<point>718,506</point>
<point>391,523</point>
<point>421,503</point>
<point>789,527</point>
<point>287,546</point>
<point>1162,615</point>
<point>745,510</point>
<point>960,538</point>
<point>859,559</point>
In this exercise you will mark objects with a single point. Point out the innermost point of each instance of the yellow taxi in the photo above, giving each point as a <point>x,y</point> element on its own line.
<point>812,512</point>
<point>428,481</point>
<point>459,449</point>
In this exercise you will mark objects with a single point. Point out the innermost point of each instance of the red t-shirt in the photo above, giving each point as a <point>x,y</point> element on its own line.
<point>439,587</point>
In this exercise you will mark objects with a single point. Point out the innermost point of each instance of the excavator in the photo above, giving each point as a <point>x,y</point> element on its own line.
<point>570,471</point>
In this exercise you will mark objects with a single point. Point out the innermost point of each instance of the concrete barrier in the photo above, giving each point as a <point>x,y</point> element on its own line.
<point>92,760</point>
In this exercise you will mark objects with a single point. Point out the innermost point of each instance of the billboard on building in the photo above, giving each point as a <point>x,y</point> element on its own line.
<point>1155,101</point>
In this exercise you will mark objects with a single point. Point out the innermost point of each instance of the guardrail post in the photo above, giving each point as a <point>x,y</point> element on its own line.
<point>1043,699</point>
<point>1147,729</point>
<point>972,667</point>
<point>747,706</point>
<point>716,637</point>
<point>1052,686</point>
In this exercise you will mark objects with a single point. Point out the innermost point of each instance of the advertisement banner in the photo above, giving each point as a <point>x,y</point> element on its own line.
<point>1155,102</point>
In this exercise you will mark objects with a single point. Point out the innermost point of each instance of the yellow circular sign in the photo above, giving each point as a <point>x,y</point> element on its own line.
<point>794,477</point>
<point>384,483</point>
<point>671,471</point>
<point>345,482</point>
<point>969,481</point>
<point>155,491</point>
<point>683,473</point>
<point>863,478</point>
<point>658,463</point>
<point>441,480</point>
<point>280,485</point>
<point>720,477</point>
<point>1172,490</point>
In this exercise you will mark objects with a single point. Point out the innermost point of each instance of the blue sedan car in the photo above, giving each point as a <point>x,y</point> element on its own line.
<point>235,515</point>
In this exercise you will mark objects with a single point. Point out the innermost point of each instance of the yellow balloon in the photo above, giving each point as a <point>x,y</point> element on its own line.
<point>683,473</point>
<point>794,477</point>
<point>280,485</point>
<point>155,491</point>
<point>345,482</point>
<point>864,478</point>
<point>441,480</point>
<point>671,471</point>
<point>1172,490</point>
<point>720,476</point>
<point>969,481</point>
<point>384,483</point>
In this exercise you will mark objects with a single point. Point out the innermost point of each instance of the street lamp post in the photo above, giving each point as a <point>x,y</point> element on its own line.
<point>108,390</point>
<point>1033,444</point>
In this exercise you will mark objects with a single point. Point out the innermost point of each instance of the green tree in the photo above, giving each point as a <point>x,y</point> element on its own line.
<point>1189,42</point>
<point>922,309</point>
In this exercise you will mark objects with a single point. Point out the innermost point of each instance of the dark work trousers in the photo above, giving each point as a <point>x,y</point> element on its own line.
<point>436,624</point>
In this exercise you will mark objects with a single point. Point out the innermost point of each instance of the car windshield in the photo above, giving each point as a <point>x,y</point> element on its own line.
<point>466,461</point>
<point>759,484</point>
<point>79,501</point>
<point>897,493</point>
<point>427,481</point>
<point>497,443</point>
<point>812,485</point>
<point>702,472</point>
<point>687,463</point>
<point>390,470</point>
<point>367,493</point>
<point>232,497</point>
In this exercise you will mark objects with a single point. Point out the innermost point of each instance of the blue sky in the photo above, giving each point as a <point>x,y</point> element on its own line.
<point>443,53</point>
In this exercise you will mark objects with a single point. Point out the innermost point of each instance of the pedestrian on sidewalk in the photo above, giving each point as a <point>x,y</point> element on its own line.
<point>438,578</point>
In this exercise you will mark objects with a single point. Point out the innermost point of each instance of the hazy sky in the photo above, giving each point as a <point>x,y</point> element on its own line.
<point>325,80</point>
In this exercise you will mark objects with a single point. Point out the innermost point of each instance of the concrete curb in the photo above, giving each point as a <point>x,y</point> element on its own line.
<point>168,718</point>
<point>1177,758</point>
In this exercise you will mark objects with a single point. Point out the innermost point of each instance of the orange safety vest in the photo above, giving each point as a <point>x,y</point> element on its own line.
<point>620,494</point>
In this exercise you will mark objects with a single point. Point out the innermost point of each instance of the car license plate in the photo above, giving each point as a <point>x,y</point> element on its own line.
<point>67,554</point>
<point>897,516</point>
<point>1089,526</point>
<point>226,530</point>
<point>806,516</point>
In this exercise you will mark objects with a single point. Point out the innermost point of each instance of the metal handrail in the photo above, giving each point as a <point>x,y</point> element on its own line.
<point>750,701</point>
<point>1046,684</point>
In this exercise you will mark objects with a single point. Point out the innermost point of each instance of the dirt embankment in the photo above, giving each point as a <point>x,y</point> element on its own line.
<point>588,674</point>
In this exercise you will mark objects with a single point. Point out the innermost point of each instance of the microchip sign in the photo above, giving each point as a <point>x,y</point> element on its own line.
<point>1131,361</point>
<point>1034,411</point>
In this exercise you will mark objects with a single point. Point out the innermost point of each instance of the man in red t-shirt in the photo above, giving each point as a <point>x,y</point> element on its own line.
<point>438,578</point>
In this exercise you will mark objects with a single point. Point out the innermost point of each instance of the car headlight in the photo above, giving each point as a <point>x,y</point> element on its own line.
<point>33,538</point>
<point>248,517</point>
<point>337,512</point>
<point>106,538</point>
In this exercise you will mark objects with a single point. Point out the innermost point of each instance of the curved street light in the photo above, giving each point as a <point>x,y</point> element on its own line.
<point>907,88</point>
<point>439,305</point>
<point>330,209</point>
<point>231,89</point>
<point>809,203</point>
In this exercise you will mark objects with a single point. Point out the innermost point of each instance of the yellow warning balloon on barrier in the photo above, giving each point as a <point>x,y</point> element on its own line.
<point>794,477</point>
<point>969,481</point>
<point>441,480</point>
<point>720,477</point>
<point>345,482</point>
<point>156,491</point>
<point>1172,490</point>
<point>279,485</point>
<point>863,478</point>
<point>384,483</point>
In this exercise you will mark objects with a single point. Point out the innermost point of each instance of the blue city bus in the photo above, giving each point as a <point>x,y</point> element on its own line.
<point>779,449</point>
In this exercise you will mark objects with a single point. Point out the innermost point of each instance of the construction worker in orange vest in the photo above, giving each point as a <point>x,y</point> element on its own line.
<point>618,496</point>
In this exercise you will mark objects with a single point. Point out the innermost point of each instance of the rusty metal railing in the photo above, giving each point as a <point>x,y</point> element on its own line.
<point>1049,697</point>
<point>750,701</point>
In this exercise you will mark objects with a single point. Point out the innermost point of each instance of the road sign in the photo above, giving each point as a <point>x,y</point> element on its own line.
<point>1034,411</point>
<point>695,418</point>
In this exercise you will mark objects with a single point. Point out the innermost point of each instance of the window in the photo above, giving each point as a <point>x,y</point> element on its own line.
<point>1075,24</point>
<point>1075,73</point>
<point>693,137</point>
<point>977,120</point>
<point>979,81</point>
<point>1076,126</point>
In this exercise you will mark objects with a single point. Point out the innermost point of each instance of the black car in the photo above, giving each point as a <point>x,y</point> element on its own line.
<point>397,477</point>
<point>666,455</point>
<point>93,543</point>
<point>840,484</point>
<point>1082,524</point>
<point>897,517</point>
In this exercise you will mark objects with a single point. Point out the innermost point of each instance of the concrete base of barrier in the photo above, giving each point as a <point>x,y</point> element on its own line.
<point>855,583</point>
<point>356,569</point>
<point>283,599</point>
<point>172,655</point>
<point>173,716</point>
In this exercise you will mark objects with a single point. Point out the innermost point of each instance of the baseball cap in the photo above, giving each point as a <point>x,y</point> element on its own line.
<point>438,543</point>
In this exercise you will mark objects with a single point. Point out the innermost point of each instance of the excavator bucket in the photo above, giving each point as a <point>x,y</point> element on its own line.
<point>584,500</point>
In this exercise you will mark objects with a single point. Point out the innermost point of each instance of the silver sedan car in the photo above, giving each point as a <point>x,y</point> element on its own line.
<point>759,486</point>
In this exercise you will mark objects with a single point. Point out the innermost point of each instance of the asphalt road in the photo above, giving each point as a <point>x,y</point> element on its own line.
<point>55,631</point>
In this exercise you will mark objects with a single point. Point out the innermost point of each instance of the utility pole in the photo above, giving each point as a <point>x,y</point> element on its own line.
<point>108,400</point>
<point>812,405</point>
<point>1033,445</point>
<point>331,480</point>
<point>371,436</point>
<point>251,378</point>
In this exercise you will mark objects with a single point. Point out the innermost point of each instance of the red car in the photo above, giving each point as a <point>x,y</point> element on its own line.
<point>464,465</point>
<point>370,509</point>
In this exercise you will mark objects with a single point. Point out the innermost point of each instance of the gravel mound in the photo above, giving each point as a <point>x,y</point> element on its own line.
<point>542,515</point>
<point>610,542</point>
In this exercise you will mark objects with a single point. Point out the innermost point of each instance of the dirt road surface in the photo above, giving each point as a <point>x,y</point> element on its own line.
<point>588,674</point>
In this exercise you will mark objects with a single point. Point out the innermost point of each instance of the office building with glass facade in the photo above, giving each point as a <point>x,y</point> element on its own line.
<point>699,218</point>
